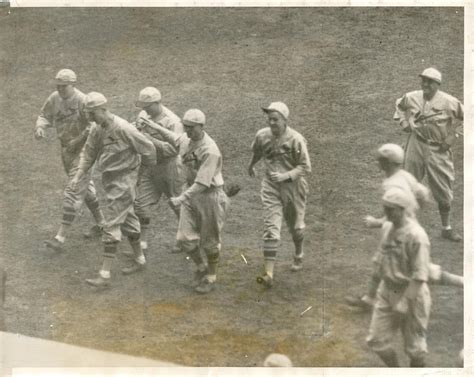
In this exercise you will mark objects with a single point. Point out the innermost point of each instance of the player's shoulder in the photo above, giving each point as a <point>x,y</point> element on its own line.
<point>263,133</point>
<point>171,115</point>
<point>210,146</point>
<point>295,135</point>
<point>416,231</point>
<point>443,96</point>
<point>414,94</point>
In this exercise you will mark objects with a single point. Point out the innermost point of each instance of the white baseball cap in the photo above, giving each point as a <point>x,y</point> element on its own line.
<point>396,197</point>
<point>65,77</point>
<point>147,96</point>
<point>194,117</point>
<point>392,152</point>
<point>279,107</point>
<point>94,100</point>
<point>432,73</point>
<point>277,360</point>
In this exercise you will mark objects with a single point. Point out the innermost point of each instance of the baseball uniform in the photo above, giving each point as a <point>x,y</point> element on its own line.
<point>167,177</point>
<point>286,154</point>
<point>202,215</point>
<point>68,118</point>
<point>405,257</point>
<point>117,149</point>
<point>432,125</point>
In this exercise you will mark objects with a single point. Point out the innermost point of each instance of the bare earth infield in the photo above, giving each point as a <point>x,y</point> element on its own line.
<point>339,71</point>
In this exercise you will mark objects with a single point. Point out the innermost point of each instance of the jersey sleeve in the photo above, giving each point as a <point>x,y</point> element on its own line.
<point>141,145</point>
<point>420,259</point>
<point>207,169</point>
<point>303,163</point>
<point>90,151</point>
<point>45,118</point>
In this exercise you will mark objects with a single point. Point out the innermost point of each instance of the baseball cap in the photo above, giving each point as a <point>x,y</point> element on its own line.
<point>277,360</point>
<point>391,152</point>
<point>194,117</point>
<point>396,197</point>
<point>147,96</point>
<point>279,107</point>
<point>65,77</point>
<point>94,100</point>
<point>432,73</point>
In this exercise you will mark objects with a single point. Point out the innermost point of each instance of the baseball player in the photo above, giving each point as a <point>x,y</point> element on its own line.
<point>117,146</point>
<point>390,158</point>
<point>284,187</point>
<point>204,203</point>
<point>64,110</point>
<point>403,297</point>
<point>429,116</point>
<point>167,177</point>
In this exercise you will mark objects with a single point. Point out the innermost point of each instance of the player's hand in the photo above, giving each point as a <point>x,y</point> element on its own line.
<point>251,171</point>
<point>371,222</point>
<point>278,177</point>
<point>444,147</point>
<point>402,306</point>
<point>176,201</point>
<point>39,133</point>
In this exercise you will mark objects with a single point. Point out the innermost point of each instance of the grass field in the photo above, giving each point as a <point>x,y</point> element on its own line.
<point>338,69</point>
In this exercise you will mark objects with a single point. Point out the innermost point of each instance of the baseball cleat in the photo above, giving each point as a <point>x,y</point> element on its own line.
<point>199,276</point>
<point>54,244</point>
<point>135,267</point>
<point>205,286</point>
<point>176,249</point>
<point>99,282</point>
<point>297,264</point>
<point>94,232</point>
<point>451,235</point>
<point>265,280</point>
<point>362,302</point>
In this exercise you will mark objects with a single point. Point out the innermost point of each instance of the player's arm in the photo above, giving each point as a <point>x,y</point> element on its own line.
<point>167,135</point>
<point>256,156</point>
<point>303,165</point>
<point>45,118</point>
<point>88,156</point>
<point>203,180</point>
<point>141,145</point>
<point>401,107</point>
<point>457,113</point>
<point>419,260</point>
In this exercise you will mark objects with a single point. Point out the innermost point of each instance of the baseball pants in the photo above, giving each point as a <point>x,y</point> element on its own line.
<point>284,200</point>
<point>422,159</point>
<point>120,190</point>
<point>386,322</point>
<point>201,221</point>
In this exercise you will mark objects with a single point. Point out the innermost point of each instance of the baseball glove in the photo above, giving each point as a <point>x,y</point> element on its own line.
<point>232,189</point>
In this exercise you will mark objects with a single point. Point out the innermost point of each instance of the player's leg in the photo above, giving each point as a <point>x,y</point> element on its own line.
<point>212,207</point>
<point>93,204</point>
<point>383,328</point>
<point>173,186</point>
<point>294,196</point>
<point>273,216</point>
<point>414,328</point>
<point>440,171</point>
<point>188,238</point>
<point>147,196</point>
<point>414,161</point>
<point>72,200</point>
<point>120,196</point>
